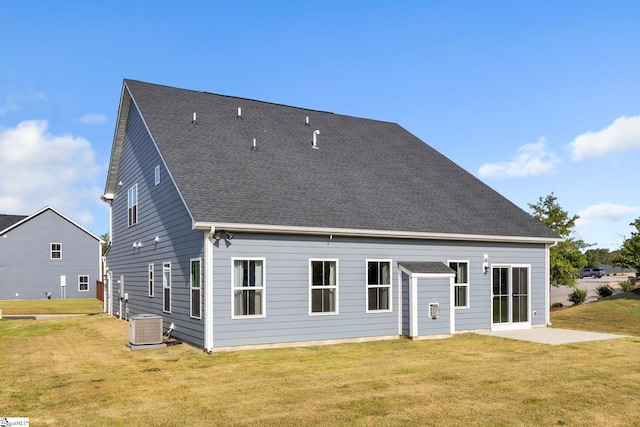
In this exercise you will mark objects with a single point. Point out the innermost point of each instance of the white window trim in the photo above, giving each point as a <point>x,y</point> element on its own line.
<point>468,284</point>
<point>51,251</point>
<point>166,266</point>
<point>83,290</point>
<point>191,288</point>
<point>151,275</point>
<point>390,285</point>
<point>137,205</point>
<point>156,175</point>
<point>263,288</point>
<point>336,287</point>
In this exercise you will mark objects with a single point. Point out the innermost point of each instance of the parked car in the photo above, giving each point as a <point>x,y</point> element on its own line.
<point>592,272</point>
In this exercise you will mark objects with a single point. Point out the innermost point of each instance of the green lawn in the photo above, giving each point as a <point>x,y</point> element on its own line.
<point>51,306</point>
<point>76,371</point>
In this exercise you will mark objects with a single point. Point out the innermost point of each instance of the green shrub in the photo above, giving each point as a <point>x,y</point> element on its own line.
<point>626,285</point>
<point>604,291</point>
<point>556,305</point>
<point>578,296</point>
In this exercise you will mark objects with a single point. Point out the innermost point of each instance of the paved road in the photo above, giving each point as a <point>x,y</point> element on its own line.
<point>561,294</point>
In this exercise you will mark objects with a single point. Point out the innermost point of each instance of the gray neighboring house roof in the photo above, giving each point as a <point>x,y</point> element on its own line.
<point>365,175</point>
<point>13,221</point>
<point>7,221</point>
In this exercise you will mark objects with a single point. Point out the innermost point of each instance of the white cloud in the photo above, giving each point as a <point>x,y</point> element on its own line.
<point>93,119</point>
<point>622,135</point>
<point>530,160</point>
<point>606,219</point>
<point>608,211</point>
<point>13,102</point>
<point>39,169</point>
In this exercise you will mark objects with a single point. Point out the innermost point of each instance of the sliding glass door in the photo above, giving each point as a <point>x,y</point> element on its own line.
<point>510,302</point>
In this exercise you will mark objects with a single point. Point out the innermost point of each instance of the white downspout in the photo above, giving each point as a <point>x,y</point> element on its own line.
<point>547,281</point>
<point>208,290</point>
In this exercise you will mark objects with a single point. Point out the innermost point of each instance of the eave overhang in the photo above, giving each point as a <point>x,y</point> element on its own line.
<point>118,139</point>
<point>348,232</point>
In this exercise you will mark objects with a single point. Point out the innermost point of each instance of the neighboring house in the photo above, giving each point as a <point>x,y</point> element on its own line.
<point>247,223</point>
<point>47,253</point>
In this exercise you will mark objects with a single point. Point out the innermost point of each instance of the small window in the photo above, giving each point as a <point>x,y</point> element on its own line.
<point>196,289</point>
<point>323,286</point>
<point>156,174</point>
<point>56,251</point>
<point>150,281</point>
<point>461,291</point>
<point>248,281</point>
<point>83,283</point>
<point>132,204</point>
<point>166,287</point>
<point>378,285</point>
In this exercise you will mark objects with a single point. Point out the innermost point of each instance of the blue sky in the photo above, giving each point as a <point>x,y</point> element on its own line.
<point>531,97</point>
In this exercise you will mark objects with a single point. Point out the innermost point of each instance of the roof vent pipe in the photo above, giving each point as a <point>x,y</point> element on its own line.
<point>194,121</point>
<point>239,112</point>
<point>315,140</point>
<point>306,122</point>
<point>254,147</point>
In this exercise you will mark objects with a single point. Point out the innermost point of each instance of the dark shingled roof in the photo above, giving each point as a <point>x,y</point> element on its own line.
<point>426,267</point>
<point>7,221</point>
<point>366,174</point>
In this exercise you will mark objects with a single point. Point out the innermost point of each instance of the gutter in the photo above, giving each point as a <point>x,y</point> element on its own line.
<point>354,232</point>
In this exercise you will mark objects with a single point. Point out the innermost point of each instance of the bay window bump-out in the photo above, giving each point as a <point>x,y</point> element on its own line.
<point>323,286</point>
<point>248,281</point>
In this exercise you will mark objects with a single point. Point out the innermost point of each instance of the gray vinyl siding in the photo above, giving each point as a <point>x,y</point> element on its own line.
<point>161,213</point>
<point>287,286</point>
<point>406,305</point>
<point>26,268</point>
<point>433,290</point>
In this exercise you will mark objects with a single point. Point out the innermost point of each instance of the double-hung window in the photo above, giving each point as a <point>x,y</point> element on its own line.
<point>195,286</point>
<point>461,288</point>
<point>150,280</point>
<point>132,205</point>
<point>83,283</point>
<point>166,287</point>
<point>248,282</point>
<point>378,285</point>
<point>56,251</point>
<point>323,286</point>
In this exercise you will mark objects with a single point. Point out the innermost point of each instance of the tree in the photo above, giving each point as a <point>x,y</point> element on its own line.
<point>630,250</point>
<point>105,242</point>
<point>566,257</point>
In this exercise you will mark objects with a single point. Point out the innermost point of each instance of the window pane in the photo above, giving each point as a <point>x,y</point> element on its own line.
<point>385,273</point>
<point>195,302</point>
<point>317,274</point>
<point>372,273</point>
<point>373,298</point>
<point>383,299</point>
<point>460,296</point>
<point>322,300</point>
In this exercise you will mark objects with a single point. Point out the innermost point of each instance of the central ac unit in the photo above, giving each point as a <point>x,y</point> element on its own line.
<point>145,329</point>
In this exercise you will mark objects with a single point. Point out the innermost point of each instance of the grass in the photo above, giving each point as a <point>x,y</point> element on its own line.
<point>617,314</point>
<point>53,306</point>
<point>76,371</point>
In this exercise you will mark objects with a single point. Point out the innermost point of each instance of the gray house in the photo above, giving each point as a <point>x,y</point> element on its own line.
<point>47,254</point>
<point>247,224</point>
